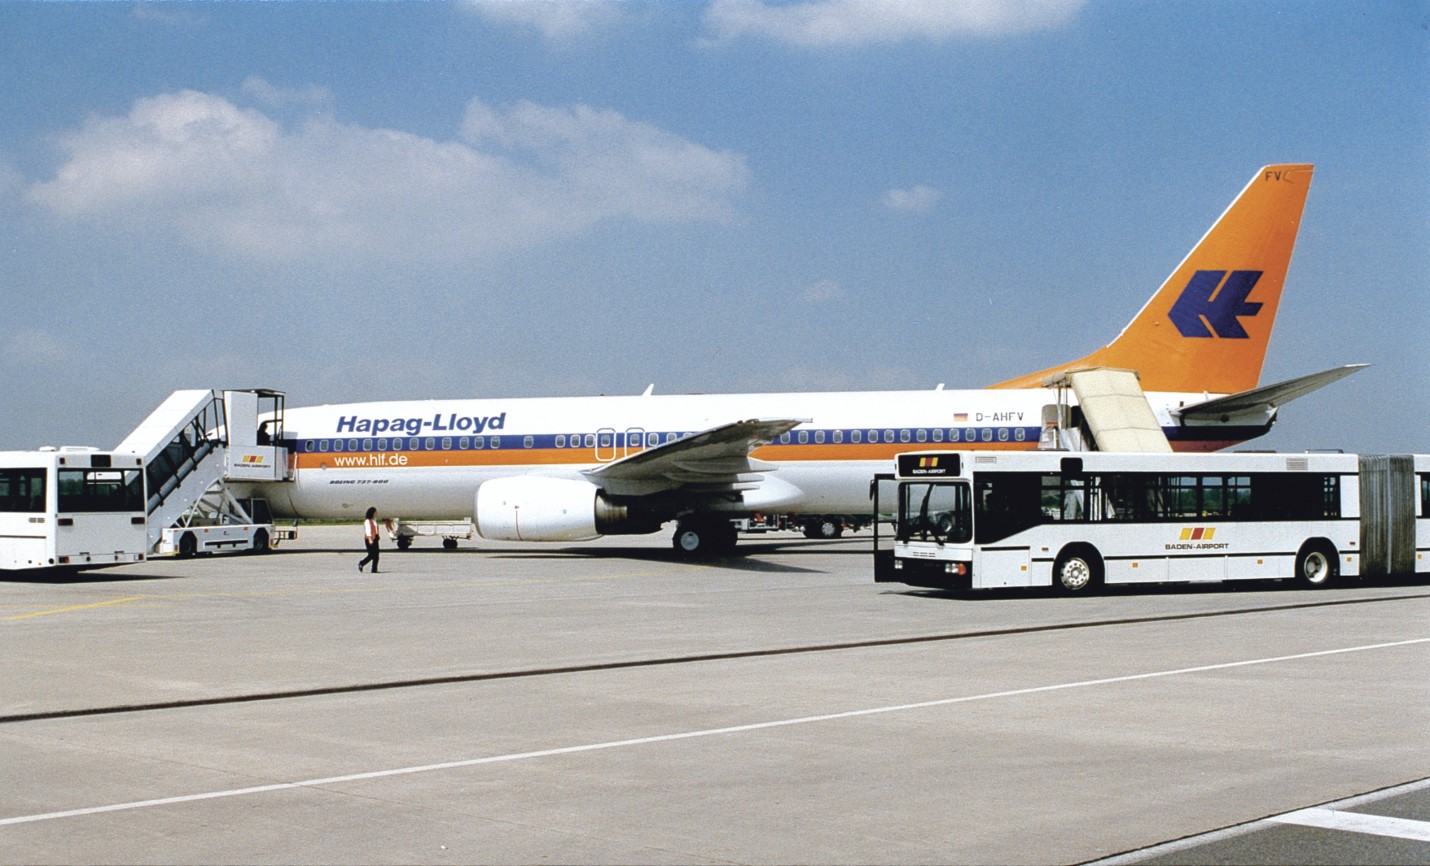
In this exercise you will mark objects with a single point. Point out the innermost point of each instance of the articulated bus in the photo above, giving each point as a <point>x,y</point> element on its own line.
<point>1079,520</point>
<point>71,508</point>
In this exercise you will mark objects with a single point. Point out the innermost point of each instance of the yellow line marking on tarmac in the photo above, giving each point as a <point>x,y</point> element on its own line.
<point>75,607</point>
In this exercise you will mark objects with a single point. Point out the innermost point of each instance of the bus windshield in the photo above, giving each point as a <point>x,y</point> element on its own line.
<point>935,511</point>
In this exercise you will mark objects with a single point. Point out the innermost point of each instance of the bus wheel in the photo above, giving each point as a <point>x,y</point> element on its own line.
<point>1077,570</point>
<point>1316,564</point>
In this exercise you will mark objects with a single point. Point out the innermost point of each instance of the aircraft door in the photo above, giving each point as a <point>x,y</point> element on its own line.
<point>605,445</point>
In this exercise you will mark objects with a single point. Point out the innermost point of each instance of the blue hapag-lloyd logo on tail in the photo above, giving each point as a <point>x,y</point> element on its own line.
<point>1195,308</point>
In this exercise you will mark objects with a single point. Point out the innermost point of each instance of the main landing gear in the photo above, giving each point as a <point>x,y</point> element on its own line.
<point>701,537</point>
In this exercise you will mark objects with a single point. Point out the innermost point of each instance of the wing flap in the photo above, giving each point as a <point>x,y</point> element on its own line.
<point>714,460</point>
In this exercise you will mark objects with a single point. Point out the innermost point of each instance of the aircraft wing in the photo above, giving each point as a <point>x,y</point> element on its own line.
<point>714,460</point>
<point>1266,398</point>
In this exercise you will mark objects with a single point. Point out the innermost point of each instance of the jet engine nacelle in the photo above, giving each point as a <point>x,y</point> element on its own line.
<point>538,508</point>
<point>535,508</point>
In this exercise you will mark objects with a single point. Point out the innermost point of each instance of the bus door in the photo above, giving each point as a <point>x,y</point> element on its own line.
<point>885,494</point>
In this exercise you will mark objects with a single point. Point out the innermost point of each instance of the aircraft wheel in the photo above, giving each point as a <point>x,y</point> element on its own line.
<point>702,538</point>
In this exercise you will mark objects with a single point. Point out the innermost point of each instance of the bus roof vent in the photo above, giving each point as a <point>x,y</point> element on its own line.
<point>985,458</point>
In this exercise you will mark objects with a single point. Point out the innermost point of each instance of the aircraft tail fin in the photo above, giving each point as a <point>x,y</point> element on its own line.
<point>1207,328</point>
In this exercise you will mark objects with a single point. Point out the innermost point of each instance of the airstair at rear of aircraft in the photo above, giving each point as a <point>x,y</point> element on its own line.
<point>194,446</point>
<point>1114,414</point>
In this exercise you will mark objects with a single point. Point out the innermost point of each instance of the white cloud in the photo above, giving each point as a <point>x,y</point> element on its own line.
<point>11,180</point>
<point>606,163</point>
<point>556,20</point>
<point>823,291</point>
<point>917,200</point>
<point>274,96</point>
<point>823,23</point>
<point>37,348</point>
<point>232,177</point>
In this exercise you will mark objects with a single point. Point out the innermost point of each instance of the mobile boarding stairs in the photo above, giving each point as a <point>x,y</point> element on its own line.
<point>1113,414</point>
<point>196,447</point>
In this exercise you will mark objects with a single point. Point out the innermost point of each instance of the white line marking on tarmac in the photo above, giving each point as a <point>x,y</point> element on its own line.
<point>1189,843</point>
<point>1357,822</point>
<point>686,735</point>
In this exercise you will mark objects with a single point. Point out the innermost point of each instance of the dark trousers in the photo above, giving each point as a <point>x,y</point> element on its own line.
<point>371,555</point>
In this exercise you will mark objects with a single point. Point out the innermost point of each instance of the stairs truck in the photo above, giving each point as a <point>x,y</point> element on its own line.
<point>167,489</point>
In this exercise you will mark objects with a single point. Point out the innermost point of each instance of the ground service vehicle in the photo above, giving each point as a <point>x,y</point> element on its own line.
<point>1076,520</point>
<point>71,508</point>
<point>168,488</point>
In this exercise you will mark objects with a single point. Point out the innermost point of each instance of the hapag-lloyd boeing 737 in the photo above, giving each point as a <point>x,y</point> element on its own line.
<point>570,469</point>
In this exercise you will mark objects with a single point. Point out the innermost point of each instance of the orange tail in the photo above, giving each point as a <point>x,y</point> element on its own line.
<point>1207,327</point>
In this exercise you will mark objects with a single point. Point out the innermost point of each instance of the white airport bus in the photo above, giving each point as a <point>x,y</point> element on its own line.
<point>1075,521</point>
<point>71,508</point>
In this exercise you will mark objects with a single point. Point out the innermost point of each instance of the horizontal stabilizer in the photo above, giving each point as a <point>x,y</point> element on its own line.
<point>1267,397</point>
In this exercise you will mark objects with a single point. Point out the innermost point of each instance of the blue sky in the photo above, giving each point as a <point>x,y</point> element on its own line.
<point>414,200</point>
